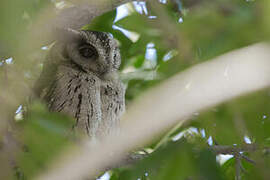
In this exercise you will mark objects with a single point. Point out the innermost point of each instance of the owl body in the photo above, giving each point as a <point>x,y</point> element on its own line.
<point>80,79</point>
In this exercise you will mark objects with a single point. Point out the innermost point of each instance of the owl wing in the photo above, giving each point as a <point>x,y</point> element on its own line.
<point>112,105</point>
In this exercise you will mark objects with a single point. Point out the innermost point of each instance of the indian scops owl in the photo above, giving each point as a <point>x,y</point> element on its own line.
<point>80,78</point>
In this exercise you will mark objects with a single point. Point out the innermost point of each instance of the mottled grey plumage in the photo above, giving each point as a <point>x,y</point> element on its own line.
<point>80,78</point>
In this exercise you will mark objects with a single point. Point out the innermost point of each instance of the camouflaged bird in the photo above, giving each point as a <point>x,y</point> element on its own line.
<point>80,78</point>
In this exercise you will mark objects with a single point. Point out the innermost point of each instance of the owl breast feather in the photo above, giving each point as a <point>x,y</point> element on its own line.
<point>96,104</point>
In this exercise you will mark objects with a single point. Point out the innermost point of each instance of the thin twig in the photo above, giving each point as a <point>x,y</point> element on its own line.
<point>238,166</point>
<point>220,149</point>
<point>247,159</point>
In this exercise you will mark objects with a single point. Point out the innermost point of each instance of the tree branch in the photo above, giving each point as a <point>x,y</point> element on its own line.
<point>83,12</point>
<point>46,27</point>
<point>200,87</point>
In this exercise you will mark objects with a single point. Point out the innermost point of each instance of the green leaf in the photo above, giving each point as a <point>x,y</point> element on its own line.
<point>176,161</point>
<point>45,135</point>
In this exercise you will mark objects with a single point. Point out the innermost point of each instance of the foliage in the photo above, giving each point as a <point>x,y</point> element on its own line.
<point>169,42</point>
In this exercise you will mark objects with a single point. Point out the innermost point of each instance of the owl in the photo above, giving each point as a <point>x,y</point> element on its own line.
<point>80,78</point>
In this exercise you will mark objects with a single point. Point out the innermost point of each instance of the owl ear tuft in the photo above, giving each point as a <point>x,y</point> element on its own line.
<point>67,35</point>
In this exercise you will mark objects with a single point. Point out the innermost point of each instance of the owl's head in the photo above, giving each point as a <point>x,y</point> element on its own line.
<point>92,51</point>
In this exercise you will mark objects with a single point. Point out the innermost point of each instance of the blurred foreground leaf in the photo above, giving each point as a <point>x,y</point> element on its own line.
<point>45,135</point>
<point>177,161</point>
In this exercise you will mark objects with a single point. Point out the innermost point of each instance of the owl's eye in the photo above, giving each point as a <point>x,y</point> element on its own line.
<point>88,51</point>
